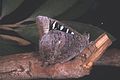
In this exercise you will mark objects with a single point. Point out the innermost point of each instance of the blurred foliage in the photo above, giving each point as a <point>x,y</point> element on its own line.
<point>9,6</point>
<point>19,15</point>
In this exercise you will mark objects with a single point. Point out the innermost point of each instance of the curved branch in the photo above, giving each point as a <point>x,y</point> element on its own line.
<point>29,65</point>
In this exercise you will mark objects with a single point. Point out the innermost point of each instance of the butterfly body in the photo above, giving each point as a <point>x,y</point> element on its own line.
<point>59,43</point>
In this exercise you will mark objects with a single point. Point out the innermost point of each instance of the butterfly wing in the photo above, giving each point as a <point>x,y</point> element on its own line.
<point>58,42</point>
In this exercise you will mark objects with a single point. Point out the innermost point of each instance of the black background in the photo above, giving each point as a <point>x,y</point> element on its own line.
<point>106,11</point>
<point>103,13</point>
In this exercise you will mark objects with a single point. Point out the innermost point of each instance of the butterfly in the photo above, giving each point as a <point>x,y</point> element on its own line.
<point>58,42</point>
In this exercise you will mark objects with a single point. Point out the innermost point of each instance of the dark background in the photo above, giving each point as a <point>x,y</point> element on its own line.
<point>106,15</point>
<point>103,13</point>
<point>106,12</point>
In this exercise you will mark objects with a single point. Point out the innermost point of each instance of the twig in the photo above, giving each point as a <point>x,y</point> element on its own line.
<point>9,34</point>
<point>15,25</point>
<point>18,40</point>
<point>100,46</point>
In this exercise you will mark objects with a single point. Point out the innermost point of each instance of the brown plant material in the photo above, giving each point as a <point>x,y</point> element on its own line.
<point>5,28</point>
<point>18,40</point>
<point>97,49</point>
<point>28,65</point>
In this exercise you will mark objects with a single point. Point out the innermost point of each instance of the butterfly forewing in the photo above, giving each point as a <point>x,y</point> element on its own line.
<point>60,43</point>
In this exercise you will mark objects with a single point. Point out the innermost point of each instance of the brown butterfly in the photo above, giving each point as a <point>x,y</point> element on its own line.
<point>58,42</point>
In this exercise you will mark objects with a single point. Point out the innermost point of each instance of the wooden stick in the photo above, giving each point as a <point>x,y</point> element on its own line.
<point>100,45</point>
